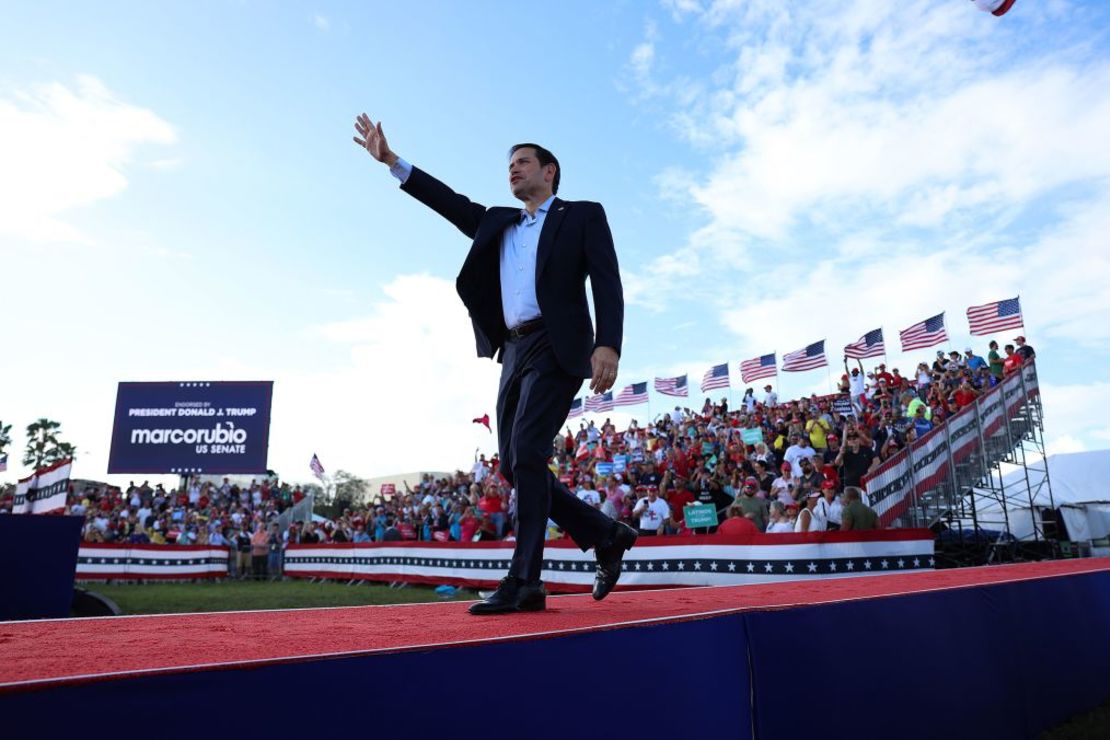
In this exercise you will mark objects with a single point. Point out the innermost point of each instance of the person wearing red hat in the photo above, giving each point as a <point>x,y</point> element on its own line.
<point>1024,349</point>
<point>829,508</point>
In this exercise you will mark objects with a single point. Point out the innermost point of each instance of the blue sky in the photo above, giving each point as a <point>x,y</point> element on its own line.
<point>181,199</point>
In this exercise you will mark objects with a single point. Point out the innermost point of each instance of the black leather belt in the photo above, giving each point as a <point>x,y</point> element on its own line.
<point>522,330</point>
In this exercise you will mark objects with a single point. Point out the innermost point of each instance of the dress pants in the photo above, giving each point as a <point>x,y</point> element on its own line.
<point>532,404</point>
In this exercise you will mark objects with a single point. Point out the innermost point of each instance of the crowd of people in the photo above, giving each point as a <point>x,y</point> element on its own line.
<point>764,466</point>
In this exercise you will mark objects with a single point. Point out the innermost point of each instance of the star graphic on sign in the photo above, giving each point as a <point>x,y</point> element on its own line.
<point>713,565</point>
<point>901,563</point>
<point>666,565</point>
<point>751,567</point>
<point>790,567</point>
<point>932,561</point>
<point>812,567</point>
<point>867,564</point>
<point>851,565</point>
<point>550,565</point>
<point>681,565</point>
<point>637,566</point>
<point>561,565</point>
<point>917,562</point>
<point>768,567</point>
<point>651,565</point>
<point>884,563</point>
<point>731,567</point>
<point>832,565</point>
<point>697,565</point>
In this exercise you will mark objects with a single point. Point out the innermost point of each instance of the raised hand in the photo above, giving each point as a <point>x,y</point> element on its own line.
<point>372,139</point>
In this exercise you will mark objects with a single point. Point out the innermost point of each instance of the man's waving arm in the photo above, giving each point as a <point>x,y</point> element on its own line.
<point>456,208</point>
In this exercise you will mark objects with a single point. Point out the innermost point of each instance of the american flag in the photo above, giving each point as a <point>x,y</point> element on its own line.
<point>672,386</point>
<point>994,317</point>
<point>759,367</point>
<point>869,345</point>
<point>317,468</point>
<point>927,333</point>
<point>715,377</point>
<point>600,402</point>
<point>808,358</point>
<point>575,408</point>
<point>632,395</point>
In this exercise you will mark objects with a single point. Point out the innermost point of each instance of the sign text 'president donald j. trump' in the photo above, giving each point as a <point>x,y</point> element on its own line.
<point>205,427</point>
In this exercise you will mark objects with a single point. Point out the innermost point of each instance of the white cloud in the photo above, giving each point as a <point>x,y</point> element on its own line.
<point>917,155</point>
<point>64,148</point>
<point>405,400</point>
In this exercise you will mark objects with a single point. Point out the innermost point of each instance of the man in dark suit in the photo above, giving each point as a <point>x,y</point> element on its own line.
<point>524,284</point>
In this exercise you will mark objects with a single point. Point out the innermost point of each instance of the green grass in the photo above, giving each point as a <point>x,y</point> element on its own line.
<point>166,598</point>
<point>1094,725</point>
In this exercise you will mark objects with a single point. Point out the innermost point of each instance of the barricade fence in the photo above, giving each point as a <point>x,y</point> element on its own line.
<point>929,477</point>
<point>707,560</point>
<point>102,562</point>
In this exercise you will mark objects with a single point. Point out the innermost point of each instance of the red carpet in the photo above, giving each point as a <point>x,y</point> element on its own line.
<point>50,651</point>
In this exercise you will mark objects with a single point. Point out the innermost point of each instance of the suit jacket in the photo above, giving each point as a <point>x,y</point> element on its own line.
<point>575,242</point>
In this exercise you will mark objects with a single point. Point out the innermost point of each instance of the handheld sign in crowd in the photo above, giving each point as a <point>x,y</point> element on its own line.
<point>604,469</point>
<point>620,463</point>
<point>699,515</point>
<point>194,427</point>
<point>751,436</point>
<point>388,489</point>
<point>843,407</point>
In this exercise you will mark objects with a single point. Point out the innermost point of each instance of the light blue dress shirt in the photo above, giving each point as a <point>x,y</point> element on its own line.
<point>519,244</point>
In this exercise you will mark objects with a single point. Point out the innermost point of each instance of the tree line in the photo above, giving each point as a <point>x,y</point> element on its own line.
<point>44,443</point>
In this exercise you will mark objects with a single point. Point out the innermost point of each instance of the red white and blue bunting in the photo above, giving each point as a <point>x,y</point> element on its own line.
<point>712,560</point>
<point>154,562</point>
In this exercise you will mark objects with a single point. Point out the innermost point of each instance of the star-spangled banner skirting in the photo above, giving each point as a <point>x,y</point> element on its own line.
<point>154,562</point>
<point>664,561</point>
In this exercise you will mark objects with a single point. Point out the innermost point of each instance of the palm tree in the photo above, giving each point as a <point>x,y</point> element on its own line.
<point>5,436</point>
<point>42,439</point>
<point>62,451</point>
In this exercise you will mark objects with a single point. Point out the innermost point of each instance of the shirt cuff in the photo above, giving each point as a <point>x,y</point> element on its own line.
<point>401,170</point>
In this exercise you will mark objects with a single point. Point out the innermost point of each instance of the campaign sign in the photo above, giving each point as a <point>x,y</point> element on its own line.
<point>843,407</point>
<point>604,468</point>
<point>751,436</point>
<point>699,515</point>
<point>210,427</point>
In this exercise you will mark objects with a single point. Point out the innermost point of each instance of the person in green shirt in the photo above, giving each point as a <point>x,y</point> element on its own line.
<point>857,515</point>
<point>912,404</point>
<point>751,507</point>
<point>995,360</point>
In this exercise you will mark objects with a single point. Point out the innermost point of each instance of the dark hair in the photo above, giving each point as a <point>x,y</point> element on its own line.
<point>545,157</point>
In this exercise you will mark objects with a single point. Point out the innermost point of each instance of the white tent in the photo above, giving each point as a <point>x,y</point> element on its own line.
<point>1080,490</point>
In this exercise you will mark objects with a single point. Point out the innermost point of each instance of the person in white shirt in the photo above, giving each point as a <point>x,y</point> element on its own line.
<point>782,488</point>
<point>806,521</point>
<point>796,451</point>
<point>780,522</point>
<point>480,469</point>
<point>587,493</point>
<point>770,398</point>
<point>829,509</point>
<point>652,512</point>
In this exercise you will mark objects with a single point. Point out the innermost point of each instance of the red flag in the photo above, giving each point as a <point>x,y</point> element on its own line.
<point>484,419</point>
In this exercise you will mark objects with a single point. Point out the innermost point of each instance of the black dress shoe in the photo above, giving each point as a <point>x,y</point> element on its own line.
<point>609,557</point>
<point>513,595</point>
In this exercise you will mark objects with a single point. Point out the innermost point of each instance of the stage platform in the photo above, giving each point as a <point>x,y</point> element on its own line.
<point>999,651</point>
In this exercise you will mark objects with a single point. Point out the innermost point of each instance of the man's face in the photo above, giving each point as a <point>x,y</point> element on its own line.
<point>526,177</point>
